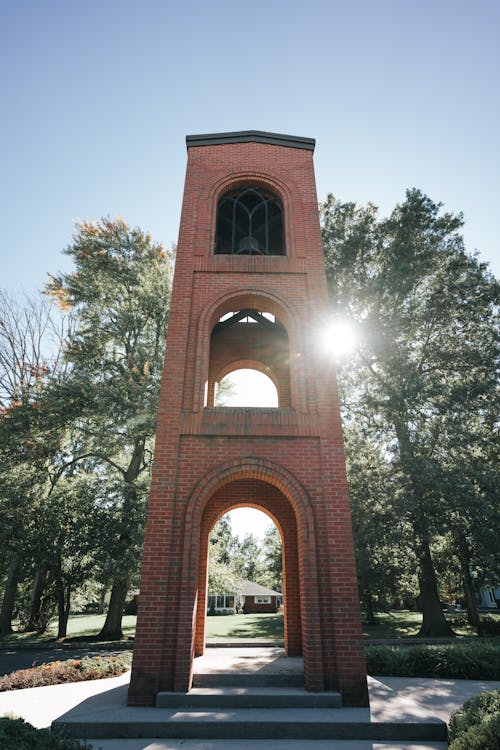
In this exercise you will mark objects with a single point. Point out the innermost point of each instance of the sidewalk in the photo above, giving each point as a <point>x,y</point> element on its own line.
<point>404,699</point>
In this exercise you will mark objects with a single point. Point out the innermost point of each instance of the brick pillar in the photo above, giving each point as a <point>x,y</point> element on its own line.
<point>287,461</point>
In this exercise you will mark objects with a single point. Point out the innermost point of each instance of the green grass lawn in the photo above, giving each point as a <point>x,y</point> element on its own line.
<point>405,623</point>
<point>397,624</point>
<point>78,626</point>
<point>261,626</point>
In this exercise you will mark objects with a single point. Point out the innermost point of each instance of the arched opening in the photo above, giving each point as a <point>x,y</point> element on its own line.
<point>263,496</point>
<point>249,222</point>
<point>245,594</point>
<point>243,340</point>
<point>246,387</point>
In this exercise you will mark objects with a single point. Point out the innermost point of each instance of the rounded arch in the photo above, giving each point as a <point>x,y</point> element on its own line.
<point>293,515</point>
<point>262,180</point>
<point>256,299</point>
<point>246,504</point>
<point>250,221</point>
<point>304,585</point>
<point>253,468</point>
<point>246,364</point>
<point>263,301</point>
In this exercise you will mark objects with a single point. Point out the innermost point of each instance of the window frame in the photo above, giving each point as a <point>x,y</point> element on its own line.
<point>233,204</point>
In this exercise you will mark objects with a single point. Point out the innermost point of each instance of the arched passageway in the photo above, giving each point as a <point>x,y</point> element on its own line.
<point>263,496</point>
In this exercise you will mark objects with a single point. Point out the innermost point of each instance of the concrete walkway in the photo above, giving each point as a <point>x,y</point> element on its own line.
<point>408,699</point>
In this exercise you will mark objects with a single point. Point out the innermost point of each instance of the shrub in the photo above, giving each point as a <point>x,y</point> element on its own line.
<point>484,736</point>
<point>467,661</point>
<point>73,670</point>
<point>476,726</point>
<point>474,711</point>
<point>490,625</point>
<point>16,734</point>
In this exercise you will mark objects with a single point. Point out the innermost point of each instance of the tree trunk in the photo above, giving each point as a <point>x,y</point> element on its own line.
<point>470,601</point>
<point>370,612</point>
<point>434,623</point>
<point>102,602</point>
<point>112,628</point>
<point>63,604</point>
<point>9,597</point>
<point>34,622</point>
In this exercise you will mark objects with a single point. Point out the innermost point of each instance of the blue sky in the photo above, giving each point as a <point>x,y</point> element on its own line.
<point>97,97</point>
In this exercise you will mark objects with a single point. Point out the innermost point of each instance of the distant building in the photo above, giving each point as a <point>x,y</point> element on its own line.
<point>490,598</point>
<point>248,597</point>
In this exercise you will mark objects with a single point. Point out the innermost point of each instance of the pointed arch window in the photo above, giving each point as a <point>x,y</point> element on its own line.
<point>250,222</point>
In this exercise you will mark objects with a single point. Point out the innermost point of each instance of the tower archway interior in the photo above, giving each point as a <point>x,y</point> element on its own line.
<point>250,339</point>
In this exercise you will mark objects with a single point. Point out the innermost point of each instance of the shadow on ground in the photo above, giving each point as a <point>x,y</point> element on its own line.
<point>270,627</point>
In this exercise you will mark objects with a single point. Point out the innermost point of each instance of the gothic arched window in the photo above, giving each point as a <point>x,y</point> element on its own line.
<point>250,222</point>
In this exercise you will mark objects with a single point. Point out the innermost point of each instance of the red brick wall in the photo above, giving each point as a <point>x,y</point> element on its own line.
<point>287,461</point>
<point>253,607</point>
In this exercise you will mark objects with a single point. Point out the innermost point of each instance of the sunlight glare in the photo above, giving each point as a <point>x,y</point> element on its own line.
<point>339,338</point>
<point>250,388</point>
<point>249,521</point>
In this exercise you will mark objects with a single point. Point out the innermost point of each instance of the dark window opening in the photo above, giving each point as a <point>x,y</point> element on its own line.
<point>249,222</point>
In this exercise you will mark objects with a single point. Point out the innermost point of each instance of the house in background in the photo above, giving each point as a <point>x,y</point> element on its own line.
<point>248,597</point>
<point>489,598</point>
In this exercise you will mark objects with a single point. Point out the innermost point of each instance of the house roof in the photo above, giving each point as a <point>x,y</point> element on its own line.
<point>249,588</point>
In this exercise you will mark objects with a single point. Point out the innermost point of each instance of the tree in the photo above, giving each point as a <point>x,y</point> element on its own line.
<point>273,565</point>
<point>426,312</point>
<point>119,295</point>
<point>385,561</point>
<point>248,560</point>
<point>31,339</point>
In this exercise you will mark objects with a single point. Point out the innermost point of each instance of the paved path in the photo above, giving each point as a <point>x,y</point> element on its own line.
<point>407,698</point>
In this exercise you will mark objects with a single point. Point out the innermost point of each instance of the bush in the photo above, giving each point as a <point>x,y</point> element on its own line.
<point>490,625</point>
<point>465,661</point>
<point>474,711</point>
<point>16,734</point>
<point>73,670</point>
<point>484,736</point>
<point>476,726</point>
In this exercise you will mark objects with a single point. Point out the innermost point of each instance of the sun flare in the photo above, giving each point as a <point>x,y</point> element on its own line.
<point>339,338</point>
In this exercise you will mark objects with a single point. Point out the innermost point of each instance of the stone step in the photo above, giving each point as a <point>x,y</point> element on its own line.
<point>247,679</point>
<point>252,724</point>
<point>155,744</point>
<point>249,697</point>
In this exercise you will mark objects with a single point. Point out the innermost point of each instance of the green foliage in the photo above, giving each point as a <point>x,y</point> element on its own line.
<point>251,559</point>
<point>476,726</point>
<point>73,670</point>
<point>273,559</point>
<point>465,661</point>
<point>385,561</point>
<point>119,296</point>
<point>490,625</point>
<point>221,573</point>
<point>248,559</point>
<point>485,736</point>
<point>16,734</point>
<point>421,389</point>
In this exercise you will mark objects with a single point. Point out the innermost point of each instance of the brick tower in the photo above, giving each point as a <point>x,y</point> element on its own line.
<point>249,291</point>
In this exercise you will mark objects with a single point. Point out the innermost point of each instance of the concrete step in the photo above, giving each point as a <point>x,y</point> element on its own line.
<point>156,744</point>
<point>252,724</point>
<point>247,679</point>
<point>249,697</point>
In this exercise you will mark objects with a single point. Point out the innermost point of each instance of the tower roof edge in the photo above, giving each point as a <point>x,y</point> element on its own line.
<point>249,136</point>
